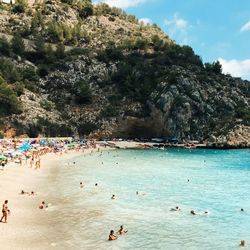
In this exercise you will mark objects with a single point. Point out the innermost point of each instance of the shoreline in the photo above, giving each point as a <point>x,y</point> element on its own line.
<point>29,227</point>
<point>145,145</point>
<point>26,222</point>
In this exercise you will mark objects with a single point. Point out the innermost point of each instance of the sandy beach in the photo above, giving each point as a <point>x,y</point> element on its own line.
<point>28,226</point>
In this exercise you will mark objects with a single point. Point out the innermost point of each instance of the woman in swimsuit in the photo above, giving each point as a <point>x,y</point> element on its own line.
<point>5,212</point>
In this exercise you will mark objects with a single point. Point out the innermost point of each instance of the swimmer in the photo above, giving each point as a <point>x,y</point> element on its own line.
<point>122,231</point>
<point>42,205</point>
<point>113,197</point>
<point>112,236</point>
<point>81,185</point>
<point>96,184</point>
<point>33,193</point>
<point>193,212</point>
<point>242,210</point>
<point>22,192</point>
<point>140,194</point>
<point>175,209</point>
<point>243,243</point>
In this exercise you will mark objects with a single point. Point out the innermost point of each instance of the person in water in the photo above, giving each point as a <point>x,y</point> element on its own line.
<point>113,197</point>
<point>175,209</point>
<point>243,243</point>
<point>5,211</point>
<point>112,235</point>
<point>122,231</point>
<point>141,194</point>
<point>33,193</point>
<point>42,205</point>
<point>23,192</point>
<point>81,185</point>
<point>193,212</point>
<point>242,210</point>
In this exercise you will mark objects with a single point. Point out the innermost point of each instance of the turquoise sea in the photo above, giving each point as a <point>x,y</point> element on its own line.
<point>217,181</point>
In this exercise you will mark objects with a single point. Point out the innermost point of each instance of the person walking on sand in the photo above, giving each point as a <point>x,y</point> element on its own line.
<point>37,164</point>
<point>5,212</point>
<point>2,164</point>
<point>31,162</point>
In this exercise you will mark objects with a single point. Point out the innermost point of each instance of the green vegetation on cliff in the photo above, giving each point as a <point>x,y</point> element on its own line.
<point>95,69</point>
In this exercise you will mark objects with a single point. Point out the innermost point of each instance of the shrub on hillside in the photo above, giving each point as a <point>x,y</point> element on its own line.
<point>215,67</point>
<point>8,100</point>
<point>43,70</point>
<point>55,32</point>
<point>60,51</point>
<point>83,93</point>
<point>19,7</point>
<point>17,44</point>
<point>4,46</point>
<point>9,71</point>
<point>18,88</point>
<point>86,11</point>
<point>47,105</point>
<point>70,2</point>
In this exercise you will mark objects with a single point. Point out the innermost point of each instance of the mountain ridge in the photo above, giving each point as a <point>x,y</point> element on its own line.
<point>116,78</point>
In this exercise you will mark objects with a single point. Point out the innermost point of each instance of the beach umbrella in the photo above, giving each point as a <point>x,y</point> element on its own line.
<point>2,157</point>
<point>24,147</point>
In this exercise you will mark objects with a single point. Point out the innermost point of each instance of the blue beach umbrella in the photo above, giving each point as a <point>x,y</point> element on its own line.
<point>24,147</point>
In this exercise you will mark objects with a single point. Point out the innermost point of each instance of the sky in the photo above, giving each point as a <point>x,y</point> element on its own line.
<point>215,29</point>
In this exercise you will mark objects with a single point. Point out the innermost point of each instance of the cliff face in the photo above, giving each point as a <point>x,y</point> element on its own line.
<point>116,78</point>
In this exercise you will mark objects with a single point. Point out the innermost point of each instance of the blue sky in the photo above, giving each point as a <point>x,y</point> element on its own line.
<point>216,30</point>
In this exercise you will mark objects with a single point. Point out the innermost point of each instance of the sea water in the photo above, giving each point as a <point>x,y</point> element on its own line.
<point>217,181</point>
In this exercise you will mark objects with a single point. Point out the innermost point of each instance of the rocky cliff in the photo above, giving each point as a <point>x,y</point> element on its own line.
<point>96,71</point>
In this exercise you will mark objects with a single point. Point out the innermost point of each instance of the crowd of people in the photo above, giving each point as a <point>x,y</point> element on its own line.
<point>30,156</point>
<point>28,152</point>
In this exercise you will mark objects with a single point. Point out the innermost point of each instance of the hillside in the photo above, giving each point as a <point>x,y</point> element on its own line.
<point>71,68</point>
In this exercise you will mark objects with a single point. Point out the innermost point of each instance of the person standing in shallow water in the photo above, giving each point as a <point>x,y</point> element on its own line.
<point>112,235</point>
<point>5,212</point>
<point>122,231</point>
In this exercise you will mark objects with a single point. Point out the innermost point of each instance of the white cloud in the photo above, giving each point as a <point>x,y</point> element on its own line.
<point>177,23</point>
<point>146,20</point>
<point>236,68</point>
<point>245,27</point>
<point>177,28</point>
<point>121,3</point>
